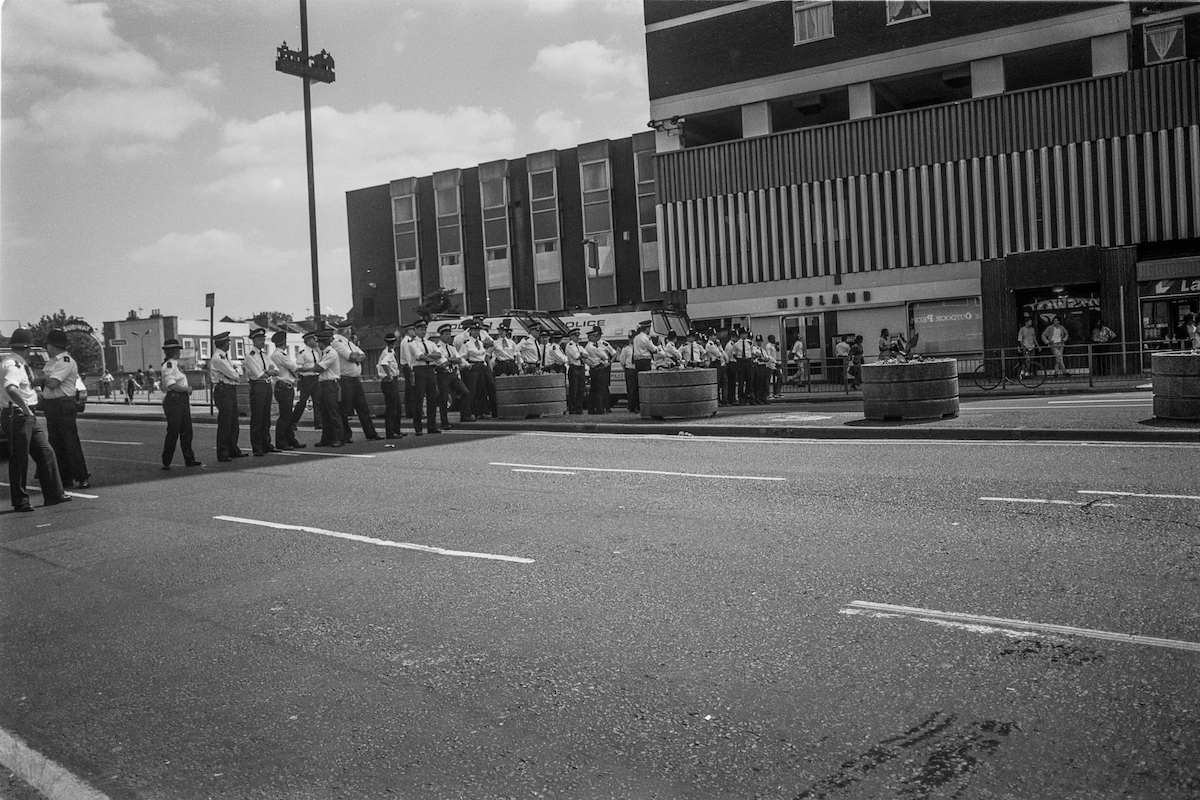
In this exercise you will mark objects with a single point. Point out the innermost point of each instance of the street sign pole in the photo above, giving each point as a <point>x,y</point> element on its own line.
<point>210,300</point>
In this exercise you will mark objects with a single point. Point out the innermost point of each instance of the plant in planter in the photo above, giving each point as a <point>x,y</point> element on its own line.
<point>910,387</point>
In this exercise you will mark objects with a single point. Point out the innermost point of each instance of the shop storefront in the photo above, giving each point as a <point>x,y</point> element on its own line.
<point>1168,291</point>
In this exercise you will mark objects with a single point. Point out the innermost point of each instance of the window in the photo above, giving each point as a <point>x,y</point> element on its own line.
<point>812,19</point>
<point>403,210</point>
<point>205,348</point>
<point>407,265</point>
<point>404,230</point>
<point>543,205</point>
<point>905,10</point>
<point>449,260</point>
<point>1164,42</point>
<point>545,247</point>
<point>497,253</point>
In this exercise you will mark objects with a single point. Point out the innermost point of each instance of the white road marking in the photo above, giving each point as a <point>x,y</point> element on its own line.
<point>73,494</point>
<point>319,453</point>
<point>1140,494</point>
<point>101,441</point>
<point>1013,634</point>
<point>44,775</point>
<point>640,472</point>
<point>1095,400</point>
<point>1125,404</point>
<point>874,442</point>
<point>1051,502</point>
<point>1026,625</point>
<point>547,471</point>
<point>439,551</point>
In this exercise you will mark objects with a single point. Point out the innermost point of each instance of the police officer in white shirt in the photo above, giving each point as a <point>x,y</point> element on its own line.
<point>626,359</point>
<point>740,352</point>
<point>576,373</point>
<point>224,377</point>
<point>597,356</point>
<point>260,372</point>
<point>477,376</point>
<point>553,357</point>
<point>330,382</point>
<point>58,401</point>
<point>388,370</point>
<point>450,384</point>
<point>307,382</point>
<point>692,353</point>
<point>177,406</point>
<point>529,351</point>
<point>424,356</point>
<point>286,375</point>
<point>26,437</point>
<point>354,397</point>
<point>505,352</point>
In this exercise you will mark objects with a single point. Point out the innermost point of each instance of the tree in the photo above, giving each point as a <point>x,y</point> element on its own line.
<point>268,318</point>
<point>81,345</point>
<point>439,302</point>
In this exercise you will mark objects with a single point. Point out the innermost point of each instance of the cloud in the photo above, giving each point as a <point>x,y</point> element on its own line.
<point>206,78</point>
<point>557,130</point>
<point>132,116</point>
<point>355,149</point>
<point>558,7</point>
<point>79,38</point>
<point>601,71</point>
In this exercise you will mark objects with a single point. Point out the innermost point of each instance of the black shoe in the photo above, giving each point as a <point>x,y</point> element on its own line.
<point>396,435</point>
<point>66,498</point>
<point>298,446</point>
<point>435,430</point>
<point>375,438</point>
<point>338,444</point>
<point>223,460</point>
<point>193,464</point>
<point>260,453</point>
<point>240,455</point>
<point>85,484</point>
<point>323,444</point>
<point>166,466</point>
<point>23,509</point>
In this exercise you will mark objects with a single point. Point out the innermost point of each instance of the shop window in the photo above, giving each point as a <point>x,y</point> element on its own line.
<point>948,326</point>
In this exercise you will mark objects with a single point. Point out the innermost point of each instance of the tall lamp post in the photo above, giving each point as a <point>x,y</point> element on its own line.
<point>142,339</point>
<point>308,68</point>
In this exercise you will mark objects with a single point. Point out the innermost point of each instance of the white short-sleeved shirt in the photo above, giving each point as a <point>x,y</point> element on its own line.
<point>15,374</point>
<point>64,368</point>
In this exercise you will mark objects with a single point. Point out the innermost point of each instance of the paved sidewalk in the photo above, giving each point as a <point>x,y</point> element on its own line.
<point>1042,415</point>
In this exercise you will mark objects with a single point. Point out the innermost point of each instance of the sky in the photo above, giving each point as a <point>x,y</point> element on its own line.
<point>150,153</point>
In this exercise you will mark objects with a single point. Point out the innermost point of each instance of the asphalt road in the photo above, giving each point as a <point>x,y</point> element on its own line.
<point>694,624</point>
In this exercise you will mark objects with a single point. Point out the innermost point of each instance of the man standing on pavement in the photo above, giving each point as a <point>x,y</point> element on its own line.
<point>354,398</point>
<point>177,406</point>
<point>505,352</point>
<point>841,357</point>
<point>718,360</point>
<point>530,351</point>
<point>599,366</point>
<point>286,376</point>
<point>224,377</point>
<point>403,356</point>
<point>576,374</point>
<point>1056,337</point>
<point>450,383</point>
<point>423,356</point>
<point>692,354</point>
<point>643,357</point>
<point>260,372</point>
<point>26,438</point>
<point>308,382</point>
<point>58,401</point>
<point>388,370</point>
<point>477,376</point>
<point>740,352</point>
<point>329,380</point>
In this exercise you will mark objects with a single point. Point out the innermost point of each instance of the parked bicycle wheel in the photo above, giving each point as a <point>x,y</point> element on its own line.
<point>1031,375</point>
<point>988,375</point>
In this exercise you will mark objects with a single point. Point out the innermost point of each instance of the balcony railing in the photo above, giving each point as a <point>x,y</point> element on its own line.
<point>1156,98</point>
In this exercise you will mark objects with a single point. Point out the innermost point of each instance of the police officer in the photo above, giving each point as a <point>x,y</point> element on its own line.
<point>424,355</point>
<point>505,352</point>
<point>329,383</point>
<point>450,383</point>
<point>177,406</point>
<point>354,397</point>
<point>403,354</point>
<point>260,373</point>
<point>719,361</point>
<point>530,351</point>
<point>692,354</point>
<point>307,382</point>
<point>576,373</point>
<point>477,376</point>
<point>388,370</point>
<point>224,377</point>
<point>599,366</point>
<point>286,375</point>
<point>58,401</point>
<point>26,438</point>
<point>626,360</point>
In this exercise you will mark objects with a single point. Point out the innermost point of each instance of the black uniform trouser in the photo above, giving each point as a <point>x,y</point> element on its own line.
<point>260,416</point>
<point>639,365</point>
<point>722,387</point>
<point>225,399</point>
<point>450,385</point>
<point>598,389</point>
<point>576,388</point>
<point>63,433</point>
<point>331,421</point>
<point>475,395</point>
<point>392,418</point>
<point>744,377</point>
<point>285,396</point>
<point>410,391</point>
<point>761,379</point>
<point>177,407</point>
<point>27,439</point>
<point>354,401</point>
<point>309,386</point>
<point>425,392</point>
<point>630,389</point>
<point>484,395</point>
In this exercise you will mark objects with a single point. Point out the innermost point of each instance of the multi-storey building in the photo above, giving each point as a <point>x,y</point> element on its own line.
<point>557,230</point>
<point>838,167</point>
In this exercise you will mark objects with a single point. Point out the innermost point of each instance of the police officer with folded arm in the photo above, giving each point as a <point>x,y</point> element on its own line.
<point>424,355</point>
<point>354,397</point>
<point>58,400</point>
<point>329,382</point>
<point>26,437</point>
<point>286,376</point>
<point>260,373</point>
<point>387,367</point>
<point>177,406</point>
<point>505,352</point>
<point>307,384</point>
<point>224,377</point>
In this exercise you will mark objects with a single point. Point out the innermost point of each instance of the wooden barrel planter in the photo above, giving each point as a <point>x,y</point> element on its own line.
<point>523,396</point>
<point>1176,385</point>
<point>677,393</point>
<point>916,390</point>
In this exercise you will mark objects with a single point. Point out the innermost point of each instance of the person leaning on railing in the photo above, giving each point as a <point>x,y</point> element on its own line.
<point>1027,339</point>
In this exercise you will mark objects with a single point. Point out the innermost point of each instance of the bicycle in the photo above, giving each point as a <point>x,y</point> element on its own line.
<point>1026,371</point>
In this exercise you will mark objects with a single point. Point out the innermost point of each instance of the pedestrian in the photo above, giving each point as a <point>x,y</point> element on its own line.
<point>1192,328</point>
<point>598,361</point>
<point>1027,338</point>
<point>106,384</point>
<point>854,371</point>
<point>308,382</point>
<point>1101,336</point>
<point>131,386</point>
<point>1055,336</point>
<point>354,397</point>
<point>885,344</point>
<point>329,383</point>
<point>576,373</point>
<point>799,354</point>
<point>142,384</point>
<point>775,376</point>
<point>177,406</point>
<point>58,403</point>
<point>26,437</point>
<point>260,373</point>
<point>424,356</point>
<point>505,352</point>
<point>224,377</point>
<point>626,359</point>
<point>286,376</point>
<point>477,374</point>
<point>388,370</point>
<point>484,400</point>
<point>452,392</point>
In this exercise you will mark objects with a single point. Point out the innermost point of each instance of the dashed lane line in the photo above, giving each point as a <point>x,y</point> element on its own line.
<point>1069,630</point>
<point>546,471</point>
<point>810,442</point>
<point>102,441</point>
<point>319,453</point>
<point>639,472</point>
<point>438,551</point>
<point>1092,503</point>
<point>47,777</point>
<point>1140,494</point>
<point>72,494</point>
